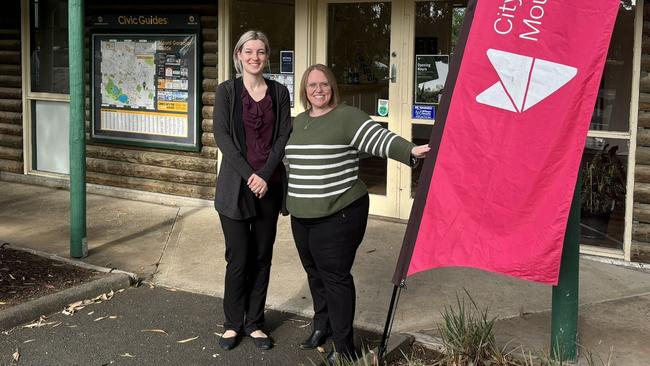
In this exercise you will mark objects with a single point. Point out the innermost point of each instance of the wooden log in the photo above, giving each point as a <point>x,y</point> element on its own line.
<point>210,152</point>
<point>190,163</point>
<point>642,155</point>
<point>9,33</point>
<point>206,124</point>
<point>11,105</point>
<point>645,62</point>
<point>150,172</point>
<point>644,119</point>
<point>210,59</point>
<point>10,44</point>
<point>642,192</point>
<point>10,81</point>
<point>9,153</point>
<point>640,252</point>
<point>644,101</point>
<point>11,129</point>
<point>10,93</point>
<point>642,173</point>
<point>206,112</point>
<point>151,185</point>
<point>10,57</point>
<point>643,137</point>
<point>209,34</point>
<point>207,98</point>
<point>11,141</point>
<point>207,139</point>
<point>11,166</point>
<point>210,72</point>
<point>641,212</point>
<point>644,82</point>
<point>641,232</point>
<point>209,85</point>
<point>11,70</point>
<point>208,21</point>
<point>210,47</point>
<point>11,117</point>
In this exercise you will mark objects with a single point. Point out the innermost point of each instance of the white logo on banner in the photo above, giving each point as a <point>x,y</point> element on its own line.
<point>519,87</point>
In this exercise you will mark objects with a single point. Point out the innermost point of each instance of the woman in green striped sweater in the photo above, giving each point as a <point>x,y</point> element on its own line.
<point>328,202</point>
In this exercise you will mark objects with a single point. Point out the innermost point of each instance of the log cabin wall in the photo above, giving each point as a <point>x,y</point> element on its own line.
<point>11,117</point>
<point>640,251</point>
<point>190,174</point>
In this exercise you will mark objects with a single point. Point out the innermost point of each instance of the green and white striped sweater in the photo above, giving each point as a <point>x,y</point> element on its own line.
<point>323,154</point>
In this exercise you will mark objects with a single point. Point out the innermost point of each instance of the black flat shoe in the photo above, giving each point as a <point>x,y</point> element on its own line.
<point>316,338</point>
<point>263,343</point>
<point>228,343</point>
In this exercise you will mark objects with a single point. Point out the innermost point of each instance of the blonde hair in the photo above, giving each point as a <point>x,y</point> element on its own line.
<point>250,35</point>
<point>329,75</point>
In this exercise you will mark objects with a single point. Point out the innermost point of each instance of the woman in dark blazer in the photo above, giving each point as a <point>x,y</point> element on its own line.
<point>251,127</point>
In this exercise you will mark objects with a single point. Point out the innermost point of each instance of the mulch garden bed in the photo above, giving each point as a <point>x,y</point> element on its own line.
<point>25,276</point>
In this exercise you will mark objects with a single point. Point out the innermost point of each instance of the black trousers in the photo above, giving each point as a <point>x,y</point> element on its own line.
<point>327,247</point>
<point>249,249</point>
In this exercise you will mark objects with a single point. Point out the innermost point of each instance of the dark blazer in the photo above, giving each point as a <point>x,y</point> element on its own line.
<point>233,198</point>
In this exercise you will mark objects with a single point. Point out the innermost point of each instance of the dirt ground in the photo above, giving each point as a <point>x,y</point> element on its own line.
<point>25,276</point>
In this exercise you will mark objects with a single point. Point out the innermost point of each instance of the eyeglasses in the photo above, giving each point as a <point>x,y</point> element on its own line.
<point>322,86</point>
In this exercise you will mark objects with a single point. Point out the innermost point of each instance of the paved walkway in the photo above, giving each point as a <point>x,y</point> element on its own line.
<point>144,326</point>
<point>182,247</point>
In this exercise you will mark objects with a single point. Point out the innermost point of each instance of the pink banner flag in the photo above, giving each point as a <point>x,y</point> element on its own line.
<point>496,190</point>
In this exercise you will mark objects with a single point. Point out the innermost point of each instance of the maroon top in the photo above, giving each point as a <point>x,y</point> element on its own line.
<point>258,120</point>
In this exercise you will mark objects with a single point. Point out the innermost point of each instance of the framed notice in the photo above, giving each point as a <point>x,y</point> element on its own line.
<point>430,75</point>
<point>286,62</point>
<point>144,82</point>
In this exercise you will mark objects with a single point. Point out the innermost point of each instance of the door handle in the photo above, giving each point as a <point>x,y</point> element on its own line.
<point>393,74</point>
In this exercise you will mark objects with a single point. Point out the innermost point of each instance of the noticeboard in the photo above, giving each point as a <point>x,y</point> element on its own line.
<point>430,75</point>
<point>144,80</point>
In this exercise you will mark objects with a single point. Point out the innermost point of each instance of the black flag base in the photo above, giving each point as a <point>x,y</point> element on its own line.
<point>397,289</point>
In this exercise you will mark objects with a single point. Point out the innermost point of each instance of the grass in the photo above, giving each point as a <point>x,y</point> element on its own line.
<point>467,333</point>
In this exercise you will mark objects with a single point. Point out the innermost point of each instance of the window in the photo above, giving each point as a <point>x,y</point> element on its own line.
<point>49,46</point>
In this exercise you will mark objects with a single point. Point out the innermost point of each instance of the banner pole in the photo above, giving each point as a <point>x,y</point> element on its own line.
<point>397,289</point>
<point>78,244</point>
<point>564,311</point>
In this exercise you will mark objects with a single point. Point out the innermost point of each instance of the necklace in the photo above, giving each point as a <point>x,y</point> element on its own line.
<point>310,120</point>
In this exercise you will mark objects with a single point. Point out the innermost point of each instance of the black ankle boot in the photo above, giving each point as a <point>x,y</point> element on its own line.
<point>316,338</point>
<point>332,359</point>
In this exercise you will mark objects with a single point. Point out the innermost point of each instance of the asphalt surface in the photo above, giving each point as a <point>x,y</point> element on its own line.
<point>155,326</point>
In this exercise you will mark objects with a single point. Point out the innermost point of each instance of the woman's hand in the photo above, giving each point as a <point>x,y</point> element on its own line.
<point>421,151</point>
<point>257,185</point>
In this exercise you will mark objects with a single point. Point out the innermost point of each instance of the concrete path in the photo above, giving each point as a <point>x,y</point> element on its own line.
<point>182,247</point>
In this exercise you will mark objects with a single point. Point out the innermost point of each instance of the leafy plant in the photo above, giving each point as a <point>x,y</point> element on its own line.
<point>603,182</point>
<point>467,334</point>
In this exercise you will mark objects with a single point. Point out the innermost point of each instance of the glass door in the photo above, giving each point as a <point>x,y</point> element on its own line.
<point>429,41</point>
<point>359,42</point>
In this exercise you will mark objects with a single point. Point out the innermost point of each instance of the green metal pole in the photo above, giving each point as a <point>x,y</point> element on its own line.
<point>564,313</point>
<point>78,245</point>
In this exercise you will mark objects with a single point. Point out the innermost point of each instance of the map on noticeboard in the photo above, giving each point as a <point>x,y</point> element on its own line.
<point>144,80</point>
<point>128,73</point>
